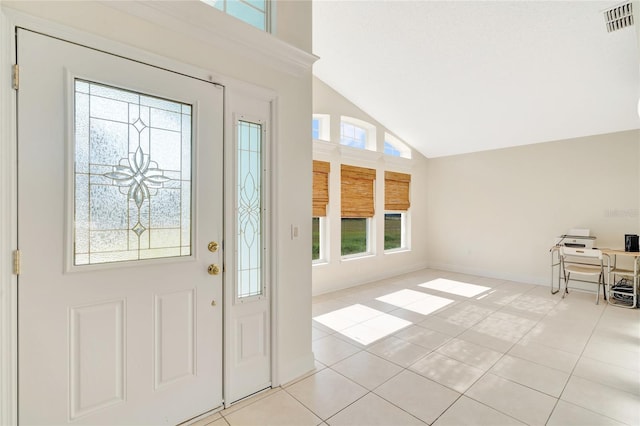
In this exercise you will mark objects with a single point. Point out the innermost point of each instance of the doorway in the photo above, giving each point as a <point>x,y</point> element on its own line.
<point>120,183</point>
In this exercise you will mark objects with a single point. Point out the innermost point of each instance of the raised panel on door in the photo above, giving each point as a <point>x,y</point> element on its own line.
<point>120,191</point>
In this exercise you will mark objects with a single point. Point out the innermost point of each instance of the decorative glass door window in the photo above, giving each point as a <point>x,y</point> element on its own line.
<point>132,176</point>
<point>249,209</point>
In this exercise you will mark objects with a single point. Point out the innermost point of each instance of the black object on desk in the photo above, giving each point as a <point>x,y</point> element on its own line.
<point>631,242</point>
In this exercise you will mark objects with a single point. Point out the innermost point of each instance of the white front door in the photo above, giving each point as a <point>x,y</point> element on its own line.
<point>120,194</point>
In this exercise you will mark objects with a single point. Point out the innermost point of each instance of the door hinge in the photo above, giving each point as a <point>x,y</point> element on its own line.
<point>16,77</point>
<point>16,262</point>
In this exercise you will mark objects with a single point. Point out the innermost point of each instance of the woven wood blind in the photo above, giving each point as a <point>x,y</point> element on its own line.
<point>396,191</point>
<point>320,188</point>
<point>357,191</point>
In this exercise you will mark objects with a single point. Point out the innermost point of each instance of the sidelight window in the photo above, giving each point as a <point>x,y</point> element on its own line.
<point>249,196</point>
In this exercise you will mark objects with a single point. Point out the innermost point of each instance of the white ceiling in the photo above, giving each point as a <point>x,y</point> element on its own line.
<point>451,77</point>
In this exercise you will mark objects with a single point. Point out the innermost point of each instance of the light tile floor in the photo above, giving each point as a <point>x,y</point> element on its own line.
<point>470,351</point>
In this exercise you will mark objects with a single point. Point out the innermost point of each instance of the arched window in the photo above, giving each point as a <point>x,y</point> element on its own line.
<point>357,133</point>
<point>395,148</point>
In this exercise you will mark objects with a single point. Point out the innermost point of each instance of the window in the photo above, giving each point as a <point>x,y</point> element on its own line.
<point>132,176</point>
<point>357,200</point>
<point>315,238</point>
<point>249,209</point>
<point>394,147</point>
<point>393,231</point>
<point>320,127</point>
<point>355,236</point>
<point>396,205</point>
<point>390,149</point>
<point>253,12</point>
<point>320,200</point>
<point>357,134</point>
<point>353,136</point>
<point>361,230</point>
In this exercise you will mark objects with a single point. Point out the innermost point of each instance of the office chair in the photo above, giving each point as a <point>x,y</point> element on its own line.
<point>585,263</point>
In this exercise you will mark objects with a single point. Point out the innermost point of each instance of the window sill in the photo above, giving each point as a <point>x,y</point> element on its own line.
<point>397,250</point>
<point>319,262</point>
<point>358,256</point>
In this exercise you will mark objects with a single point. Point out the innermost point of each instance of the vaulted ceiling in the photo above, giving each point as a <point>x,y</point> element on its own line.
<point>451,77</point>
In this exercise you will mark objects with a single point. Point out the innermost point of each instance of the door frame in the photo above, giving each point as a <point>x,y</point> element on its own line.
<point>10,20</point>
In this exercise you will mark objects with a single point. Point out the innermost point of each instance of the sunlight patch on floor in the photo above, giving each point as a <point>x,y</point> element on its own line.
<point>415,301</point>
<point>455,287</point>
<point>361,323</point>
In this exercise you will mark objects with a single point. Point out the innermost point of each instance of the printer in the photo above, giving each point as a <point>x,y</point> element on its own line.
<point>576,237</point>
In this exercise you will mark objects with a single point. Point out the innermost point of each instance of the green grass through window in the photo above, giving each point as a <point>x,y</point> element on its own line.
<point>354,235</point>
<point>392,231</point>
<point>315,239</point>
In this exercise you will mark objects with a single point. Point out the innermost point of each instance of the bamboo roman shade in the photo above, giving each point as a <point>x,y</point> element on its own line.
<point>396,191</point>
<point>357,191</point>
<point>320,188</point>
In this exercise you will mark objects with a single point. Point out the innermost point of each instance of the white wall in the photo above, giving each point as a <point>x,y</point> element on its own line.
<point>185,43</point>
<point>339,273</point>
<point>496,213</point>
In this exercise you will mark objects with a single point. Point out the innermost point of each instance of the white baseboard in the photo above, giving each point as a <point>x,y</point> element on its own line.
<point>521,278</point>
<point>362,279</point>
<point>295,369</point>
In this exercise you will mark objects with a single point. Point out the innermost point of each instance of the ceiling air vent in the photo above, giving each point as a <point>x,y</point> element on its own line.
<point>619,17</point>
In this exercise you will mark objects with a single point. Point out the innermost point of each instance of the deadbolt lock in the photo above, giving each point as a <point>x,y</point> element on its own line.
<point>213,247</point>
<point>213,269</point>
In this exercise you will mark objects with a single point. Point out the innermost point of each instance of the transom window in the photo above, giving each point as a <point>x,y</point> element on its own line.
<point>320,127</point>
<point>253,12</point>
<point>353,136</point>
<point>357,134</point>
<point>395,148</point>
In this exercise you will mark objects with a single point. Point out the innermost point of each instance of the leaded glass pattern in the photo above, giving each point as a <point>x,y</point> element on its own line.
<point>132,176</point>
<point>249,209</point>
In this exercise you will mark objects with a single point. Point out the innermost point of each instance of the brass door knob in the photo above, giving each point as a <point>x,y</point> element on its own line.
<point>213,269</point>
<point>213,247</point>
